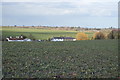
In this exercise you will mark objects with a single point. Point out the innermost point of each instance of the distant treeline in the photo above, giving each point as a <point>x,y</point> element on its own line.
<point>60,27</point>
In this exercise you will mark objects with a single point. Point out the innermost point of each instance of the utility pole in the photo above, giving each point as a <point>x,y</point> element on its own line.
<point>119,14</point>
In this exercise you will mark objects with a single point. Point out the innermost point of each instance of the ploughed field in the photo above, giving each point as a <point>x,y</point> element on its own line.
<point>80,59</point>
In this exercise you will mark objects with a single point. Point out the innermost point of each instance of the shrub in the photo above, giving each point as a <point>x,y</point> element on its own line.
<point>81,36</point>
<point>99,35</point>
<point>32,37</point>
<point>114,34</point>
<point>110,35</point>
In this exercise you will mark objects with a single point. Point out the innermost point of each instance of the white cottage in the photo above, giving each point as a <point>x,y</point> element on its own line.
<point>18,38</point>
<point>63,39</point>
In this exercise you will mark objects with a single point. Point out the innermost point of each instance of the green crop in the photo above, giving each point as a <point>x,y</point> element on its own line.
<point>80,59</point>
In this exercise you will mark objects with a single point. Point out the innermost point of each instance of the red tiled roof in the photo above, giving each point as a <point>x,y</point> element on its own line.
<point>16,39</point>
<point>116,30</point>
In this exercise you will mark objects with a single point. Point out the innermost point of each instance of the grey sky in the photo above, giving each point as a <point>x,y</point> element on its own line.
<point>84,13</point>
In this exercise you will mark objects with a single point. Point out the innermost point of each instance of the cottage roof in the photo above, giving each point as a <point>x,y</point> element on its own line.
<point>63,38</point>
<point>16,39</point>
<point>68,38</point>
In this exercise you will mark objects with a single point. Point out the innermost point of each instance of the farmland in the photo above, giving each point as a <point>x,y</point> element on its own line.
<point>39,33</point>
<point>81,59</point>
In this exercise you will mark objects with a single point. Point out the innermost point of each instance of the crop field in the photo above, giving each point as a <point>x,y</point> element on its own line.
<point>39,33</point>
<point>80,59</point>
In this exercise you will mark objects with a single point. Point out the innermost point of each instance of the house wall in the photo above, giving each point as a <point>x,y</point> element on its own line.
<point>69,39</point>
<point>15,40</point>
<point>19,40</point>
<point>57,40</point>
<point>63,40</point>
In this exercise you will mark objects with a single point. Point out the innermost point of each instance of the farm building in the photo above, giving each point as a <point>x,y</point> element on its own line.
<point>63,39</point>
<point>18,38</point>
<point>116,30</point>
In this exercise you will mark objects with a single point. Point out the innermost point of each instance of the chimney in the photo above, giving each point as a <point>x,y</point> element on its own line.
<point>21,36</point>
<point>17,36</point>
<point>10,36</point>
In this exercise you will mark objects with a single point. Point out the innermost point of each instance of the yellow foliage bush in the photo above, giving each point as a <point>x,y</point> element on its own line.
<point>81,36</point>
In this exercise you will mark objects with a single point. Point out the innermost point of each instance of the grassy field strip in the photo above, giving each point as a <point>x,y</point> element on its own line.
<point>33,30</point>
<point>40,33</point>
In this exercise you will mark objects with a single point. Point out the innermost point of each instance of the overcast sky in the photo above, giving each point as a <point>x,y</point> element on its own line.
<point>84,13</point>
